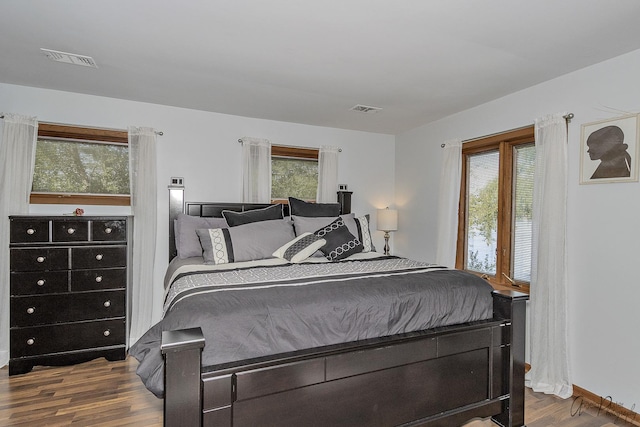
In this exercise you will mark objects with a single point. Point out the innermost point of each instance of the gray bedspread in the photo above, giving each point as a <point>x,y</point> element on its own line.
<point>259,311</point>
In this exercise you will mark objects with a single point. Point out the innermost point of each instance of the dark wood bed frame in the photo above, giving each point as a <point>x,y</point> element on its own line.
<point>438,377</point>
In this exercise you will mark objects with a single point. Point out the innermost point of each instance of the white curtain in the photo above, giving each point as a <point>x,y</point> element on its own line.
<point>327,174</point>
<point>256,170</point>
<point>144,181</point>
<point>549,345</point>
<point>17,155</point>
<point>448,201</point>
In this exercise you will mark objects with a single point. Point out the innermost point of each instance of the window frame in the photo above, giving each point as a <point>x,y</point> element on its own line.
<point>504,143</point>
<point>81,134</point>
<point>288,152</point>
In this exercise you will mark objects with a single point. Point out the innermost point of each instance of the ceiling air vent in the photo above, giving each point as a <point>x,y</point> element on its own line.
<point>69,58</point>
<point>365,109</point>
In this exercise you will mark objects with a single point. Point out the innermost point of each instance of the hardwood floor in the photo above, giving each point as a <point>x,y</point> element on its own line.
<point>542,410</point>
<point>101,393</point>
<point>96,393</point>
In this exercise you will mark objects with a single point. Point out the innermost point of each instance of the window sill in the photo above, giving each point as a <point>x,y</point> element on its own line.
<point>498,286</point>
<point>503,287</point>
<point>75,199</point>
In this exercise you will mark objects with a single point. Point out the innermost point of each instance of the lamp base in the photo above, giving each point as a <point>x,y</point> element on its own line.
<point>386,243</point>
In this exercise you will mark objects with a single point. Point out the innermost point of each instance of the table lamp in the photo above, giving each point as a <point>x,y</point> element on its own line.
<point>387,221</point>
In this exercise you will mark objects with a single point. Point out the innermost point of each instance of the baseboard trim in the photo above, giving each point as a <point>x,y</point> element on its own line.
<point>584,399</point>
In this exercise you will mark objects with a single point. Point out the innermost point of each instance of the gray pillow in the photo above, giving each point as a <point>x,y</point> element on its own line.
<point>364,233</point>
<point>302,208</point>
<point>247,242</point>
<point>187,242</point>
<point>264,214</point>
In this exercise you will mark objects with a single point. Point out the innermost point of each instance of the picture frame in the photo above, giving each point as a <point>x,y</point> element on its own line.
<point>609,150</point>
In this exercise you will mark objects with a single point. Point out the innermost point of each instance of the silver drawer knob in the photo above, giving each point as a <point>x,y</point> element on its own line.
<point>30,231</point>
<point>31,341</point>
<point>31,310</point>
<point>106,333</point>
<point>108,230</point>
<point>71,230</point>
<point>40,259</point>
<point>107,303</point>
<point>40,282</point>
<point>98,279</point>
<point>99,257</point>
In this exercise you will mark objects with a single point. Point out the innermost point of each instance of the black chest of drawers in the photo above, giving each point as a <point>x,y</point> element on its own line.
<point>69,284</point>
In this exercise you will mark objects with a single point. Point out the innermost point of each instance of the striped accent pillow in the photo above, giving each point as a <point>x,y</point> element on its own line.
<point>300,248</point>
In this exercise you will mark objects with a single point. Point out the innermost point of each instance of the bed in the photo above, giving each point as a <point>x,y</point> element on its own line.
<point>358,340</point>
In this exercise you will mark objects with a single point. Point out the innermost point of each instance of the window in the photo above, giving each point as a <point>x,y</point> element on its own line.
<point>294,173</point>
<point>496,198</point>
<point>76,165</point>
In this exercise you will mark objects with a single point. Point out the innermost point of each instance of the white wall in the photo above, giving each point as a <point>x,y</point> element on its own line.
<point>603,219</point>
<point>202,147</point>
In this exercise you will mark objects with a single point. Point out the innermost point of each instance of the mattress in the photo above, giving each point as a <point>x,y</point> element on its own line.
<point>261,308</point>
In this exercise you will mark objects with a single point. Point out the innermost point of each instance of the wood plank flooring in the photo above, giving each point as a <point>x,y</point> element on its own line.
<point>96,393</point>
<point>106,394</point>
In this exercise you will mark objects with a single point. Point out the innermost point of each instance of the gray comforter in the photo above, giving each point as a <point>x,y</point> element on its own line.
<point>259,311</point>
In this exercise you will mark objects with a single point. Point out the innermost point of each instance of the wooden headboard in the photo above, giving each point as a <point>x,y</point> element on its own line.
<point>214,209</point>
<point>177,205</point>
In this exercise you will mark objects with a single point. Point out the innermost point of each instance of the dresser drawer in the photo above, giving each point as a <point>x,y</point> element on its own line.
<point>29,231</point>
<point>98,257</point>
<point>39,259</point>
<point>39,282</point>
<point>61,308</point>
<point>66,337</point>
<point>68,289</point>
<point>70,230</point>
<point>109,231</point>
<point>93,280</point>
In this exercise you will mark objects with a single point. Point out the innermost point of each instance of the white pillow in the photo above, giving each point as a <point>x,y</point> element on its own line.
<point>300,248</point>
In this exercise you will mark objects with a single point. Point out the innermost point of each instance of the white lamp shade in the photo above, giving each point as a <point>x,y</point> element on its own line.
<point>387,219</point>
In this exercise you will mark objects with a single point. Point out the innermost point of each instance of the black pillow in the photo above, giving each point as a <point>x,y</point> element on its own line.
<point>302,208</point>
<point>265,214</point>
<point>340,242</point>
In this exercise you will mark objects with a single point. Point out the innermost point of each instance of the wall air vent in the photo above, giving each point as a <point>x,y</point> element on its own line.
<point>365,109</point>
<point>69,58</point>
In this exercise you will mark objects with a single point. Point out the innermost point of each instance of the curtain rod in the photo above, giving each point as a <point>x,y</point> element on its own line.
<point>159,133</point>
<point>567,117</point>
<point>292,146</point>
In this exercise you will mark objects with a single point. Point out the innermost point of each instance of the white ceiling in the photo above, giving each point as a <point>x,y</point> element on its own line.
<point>308,61</point>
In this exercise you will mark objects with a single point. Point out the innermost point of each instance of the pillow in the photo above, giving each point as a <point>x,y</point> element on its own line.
<point>304,224</point>
<point>309,224</point>
<point>247,242</point>
<point>187,242</point>
<point>364,233</point>
<point>357,226</point>
<point>300,248</point>
<point>265,214</point>
<point>340,242</point>
<point>302,208</point>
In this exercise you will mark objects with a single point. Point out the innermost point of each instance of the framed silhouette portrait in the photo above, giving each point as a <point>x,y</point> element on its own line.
<point>609,151</point>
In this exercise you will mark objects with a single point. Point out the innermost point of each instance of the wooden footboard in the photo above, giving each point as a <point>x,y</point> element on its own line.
<point>440,377</point>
